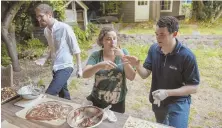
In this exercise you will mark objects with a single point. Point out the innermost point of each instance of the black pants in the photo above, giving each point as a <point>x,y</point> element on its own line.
<point>118,107</point>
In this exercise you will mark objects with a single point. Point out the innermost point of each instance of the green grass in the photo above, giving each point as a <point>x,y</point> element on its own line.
<point>73,85</point>
<point>210,65</point>
<point>186,28</point>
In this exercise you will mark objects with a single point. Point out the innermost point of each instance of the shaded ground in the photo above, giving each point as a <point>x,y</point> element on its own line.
<point>137,103</point>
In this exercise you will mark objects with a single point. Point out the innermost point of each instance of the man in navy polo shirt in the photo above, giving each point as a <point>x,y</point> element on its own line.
<point>175,74</point>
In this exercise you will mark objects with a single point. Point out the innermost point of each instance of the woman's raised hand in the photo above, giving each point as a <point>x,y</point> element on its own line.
<point>107,65</point>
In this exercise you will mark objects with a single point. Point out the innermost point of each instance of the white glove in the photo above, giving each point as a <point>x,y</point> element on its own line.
<point>156,101</point>
<point>40,61</point>
<point>159,95</point>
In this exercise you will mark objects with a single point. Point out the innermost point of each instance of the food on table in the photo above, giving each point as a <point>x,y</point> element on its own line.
<point>133,122</point>
<point>7,93</point>
<point>50,110</point>
<point>89,116</point>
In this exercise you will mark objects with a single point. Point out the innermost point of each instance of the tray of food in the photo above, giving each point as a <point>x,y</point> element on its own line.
<point>8,94</point>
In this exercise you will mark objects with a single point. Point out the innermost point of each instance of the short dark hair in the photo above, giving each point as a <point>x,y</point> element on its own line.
<point>170,22</point>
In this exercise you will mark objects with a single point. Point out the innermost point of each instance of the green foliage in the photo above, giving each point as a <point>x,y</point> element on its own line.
<point>58,7</point>
<point>134,48</point>
<point>210,72</point>
<point>112,7</point>
<point>40,82</point>
<point>73,85</point>
<point>206,10</point>
<point>5,59</point>
<point>32,48</point>
<point>85,38</point>
<point>186,10</point>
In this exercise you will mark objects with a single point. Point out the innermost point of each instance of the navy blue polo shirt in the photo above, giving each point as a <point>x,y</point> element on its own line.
<point>171,71</point>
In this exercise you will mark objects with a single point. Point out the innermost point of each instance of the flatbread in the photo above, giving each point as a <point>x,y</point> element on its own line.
<point>50,110</point>
<point>57,122</point>
<point>7,93</point>
<point>133,122</point>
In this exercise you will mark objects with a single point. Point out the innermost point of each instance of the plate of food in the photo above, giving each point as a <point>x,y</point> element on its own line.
<point>7,94</point>
<point>87,117</point>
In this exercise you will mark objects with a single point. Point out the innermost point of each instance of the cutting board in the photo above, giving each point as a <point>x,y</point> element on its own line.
<point>25,103</point>
<point>57,122</point>
<point>6,124</point>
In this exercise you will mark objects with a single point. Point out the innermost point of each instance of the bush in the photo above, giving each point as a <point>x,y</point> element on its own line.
<point>32,48</point>
<point>187,10</point>
<point>84,38</point>
<point>5,59</point>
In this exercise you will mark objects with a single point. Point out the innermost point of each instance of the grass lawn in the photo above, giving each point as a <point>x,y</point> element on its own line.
<point>186,28</point>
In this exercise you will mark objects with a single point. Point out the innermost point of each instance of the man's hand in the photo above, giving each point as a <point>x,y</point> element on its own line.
<point>159,95</point>
<point>79,71</point>
<point>40,61</point>
<point>134,61</point>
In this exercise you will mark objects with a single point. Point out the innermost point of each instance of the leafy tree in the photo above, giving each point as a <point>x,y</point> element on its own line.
<point>18,19</point>
<point>206,10</point>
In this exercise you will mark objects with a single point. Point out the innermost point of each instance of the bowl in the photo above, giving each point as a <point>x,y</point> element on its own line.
<point>29,92</point>
<point>79,118</point>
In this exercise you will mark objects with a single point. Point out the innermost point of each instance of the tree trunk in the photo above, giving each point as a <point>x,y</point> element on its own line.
<point>8,34</point>
<point>217,16</point>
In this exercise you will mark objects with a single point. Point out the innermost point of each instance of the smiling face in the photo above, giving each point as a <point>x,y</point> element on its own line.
<point>43,18</point>
<point>110,40</point>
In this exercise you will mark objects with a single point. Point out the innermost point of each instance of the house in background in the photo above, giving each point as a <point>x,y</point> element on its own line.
<point>139,11</point>
<point>76,12</point>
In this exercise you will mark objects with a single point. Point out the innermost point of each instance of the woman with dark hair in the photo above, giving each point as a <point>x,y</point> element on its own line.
<point>110,72</point>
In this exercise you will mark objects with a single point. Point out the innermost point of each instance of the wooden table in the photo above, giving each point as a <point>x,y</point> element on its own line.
<point>8,111</point>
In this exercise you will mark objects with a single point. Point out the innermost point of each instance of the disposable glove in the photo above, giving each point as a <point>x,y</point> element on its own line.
<point>160,94</point>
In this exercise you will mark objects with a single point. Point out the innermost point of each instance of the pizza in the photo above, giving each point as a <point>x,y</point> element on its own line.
<point>7,93</point>
<point>50,110</point>
<point>133,122</point>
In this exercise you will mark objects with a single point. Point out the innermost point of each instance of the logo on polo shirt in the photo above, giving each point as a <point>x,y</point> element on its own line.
<point>173,67</point>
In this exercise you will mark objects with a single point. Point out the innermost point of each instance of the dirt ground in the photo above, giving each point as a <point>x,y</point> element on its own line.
<point>206,104</point>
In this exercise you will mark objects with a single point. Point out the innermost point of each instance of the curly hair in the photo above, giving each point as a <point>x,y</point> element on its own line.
<point>102,33</point>
<point>170,22</point>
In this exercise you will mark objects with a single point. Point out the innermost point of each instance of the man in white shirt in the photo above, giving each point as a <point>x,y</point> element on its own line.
<point>62,46</point>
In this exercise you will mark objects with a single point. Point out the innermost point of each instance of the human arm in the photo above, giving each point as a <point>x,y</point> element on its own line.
<point>74,49</point>
<point>79,66</point>
<point>90,70</point>
<point>129,71</point>
<point>134,61</point>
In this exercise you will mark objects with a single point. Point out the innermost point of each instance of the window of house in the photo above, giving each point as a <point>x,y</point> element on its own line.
<point>166,6</point>
<point>142,2</point>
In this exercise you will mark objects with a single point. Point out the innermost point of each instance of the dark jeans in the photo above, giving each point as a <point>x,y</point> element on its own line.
<point>175,114</point>
<point>118,107</point>
<point>58,85</point>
